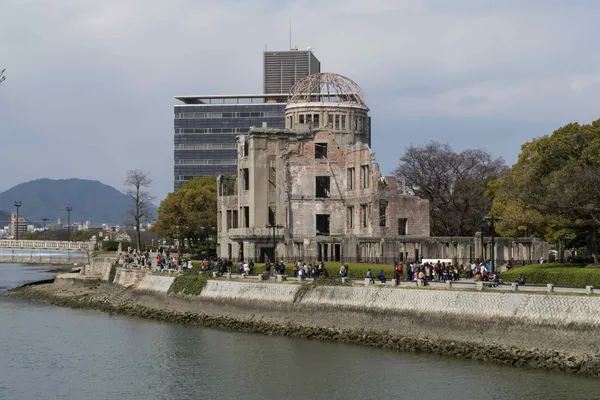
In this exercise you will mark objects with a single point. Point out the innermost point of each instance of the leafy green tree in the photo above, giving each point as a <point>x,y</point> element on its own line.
<point>29,236</point>
<point>190,212</point>
<point>554,188</point>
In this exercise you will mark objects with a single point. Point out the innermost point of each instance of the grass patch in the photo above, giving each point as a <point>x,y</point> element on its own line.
<point>190,282</point>
<point>557,274</point>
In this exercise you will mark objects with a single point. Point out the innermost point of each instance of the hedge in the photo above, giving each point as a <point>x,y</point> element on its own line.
<point>557,274</point>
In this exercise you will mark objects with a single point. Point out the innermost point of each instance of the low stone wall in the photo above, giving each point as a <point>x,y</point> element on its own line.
<point>532,308</point>
<point>128,277</point>
<point>156,283</point>
<point>98,267</point>
<point>250,292</point>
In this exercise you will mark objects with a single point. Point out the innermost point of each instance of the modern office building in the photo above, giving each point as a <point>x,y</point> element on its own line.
<point>282,69</point>
<point>206,127</point>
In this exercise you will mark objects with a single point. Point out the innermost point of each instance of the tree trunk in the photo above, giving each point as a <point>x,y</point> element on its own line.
<point>593,245</point>
<point>561,251</point>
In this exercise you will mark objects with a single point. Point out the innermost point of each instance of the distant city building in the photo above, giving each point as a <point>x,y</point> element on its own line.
<point>206,126</point>
<point>282,69</point>
<point>20,225</point>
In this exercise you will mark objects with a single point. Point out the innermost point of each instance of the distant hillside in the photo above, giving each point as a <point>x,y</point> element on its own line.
<point>4,219</point>
<point>47,198</point>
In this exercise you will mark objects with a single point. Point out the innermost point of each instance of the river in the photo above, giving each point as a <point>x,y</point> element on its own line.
<point>56,353</point>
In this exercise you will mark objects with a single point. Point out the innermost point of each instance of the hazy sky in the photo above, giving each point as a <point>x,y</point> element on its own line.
<point>90,84</point>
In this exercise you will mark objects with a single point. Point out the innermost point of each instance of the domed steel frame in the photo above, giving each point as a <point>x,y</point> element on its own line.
<point>327,87</point>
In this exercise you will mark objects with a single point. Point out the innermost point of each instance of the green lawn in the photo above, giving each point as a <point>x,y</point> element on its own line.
<point>355,270</point>
<point>557,274</point>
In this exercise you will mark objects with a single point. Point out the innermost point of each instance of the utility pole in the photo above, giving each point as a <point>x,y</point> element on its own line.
<point>274,227</point>
<point>45,230</point>
<point>493,221</point>
<point>17,204</point>
<point>69,209</point>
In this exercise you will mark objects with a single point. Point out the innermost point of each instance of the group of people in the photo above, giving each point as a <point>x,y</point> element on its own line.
<point>164,260</point>
<point>310,270</point>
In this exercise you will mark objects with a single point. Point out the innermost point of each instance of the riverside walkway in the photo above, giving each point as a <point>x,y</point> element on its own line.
<point>465,284</point>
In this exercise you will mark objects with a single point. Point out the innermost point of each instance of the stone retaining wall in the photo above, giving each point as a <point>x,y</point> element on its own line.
<point>250,292</point>
<point>99,267</point>
<point>128,277</point>
<point>156,283</point>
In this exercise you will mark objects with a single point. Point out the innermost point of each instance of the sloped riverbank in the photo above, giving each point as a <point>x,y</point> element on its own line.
<point>540,331</point>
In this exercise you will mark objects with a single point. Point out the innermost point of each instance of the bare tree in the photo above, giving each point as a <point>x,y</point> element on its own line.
<point>137,181</point>
<point>454,183</point>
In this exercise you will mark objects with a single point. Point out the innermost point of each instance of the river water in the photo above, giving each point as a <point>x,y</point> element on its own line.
<point>56,353</point>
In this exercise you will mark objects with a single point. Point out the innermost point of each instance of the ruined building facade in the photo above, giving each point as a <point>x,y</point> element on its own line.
<point>315,190</point>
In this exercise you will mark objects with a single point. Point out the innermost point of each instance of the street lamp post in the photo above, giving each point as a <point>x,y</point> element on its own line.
<point>274,227</point>
<point>69,209</point>
<point>17,204</point>
<point>45,221</point>
<point>493,221</point>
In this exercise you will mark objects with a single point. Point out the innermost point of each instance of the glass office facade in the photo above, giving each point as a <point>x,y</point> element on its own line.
<point>205,134</point>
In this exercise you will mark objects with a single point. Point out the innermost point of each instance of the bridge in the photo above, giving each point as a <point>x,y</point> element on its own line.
<point>45,252</point>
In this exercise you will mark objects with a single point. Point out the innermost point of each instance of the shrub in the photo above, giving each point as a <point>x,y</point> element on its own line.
<point>557,274</point>
<point>189,282</point>
<point>112,273</point>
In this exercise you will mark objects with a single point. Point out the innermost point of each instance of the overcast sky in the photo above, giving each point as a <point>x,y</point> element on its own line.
<point>90,83</point>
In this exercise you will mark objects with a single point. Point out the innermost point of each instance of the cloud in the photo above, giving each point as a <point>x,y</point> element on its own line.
<point>473,100</point>
<point>90,84</point>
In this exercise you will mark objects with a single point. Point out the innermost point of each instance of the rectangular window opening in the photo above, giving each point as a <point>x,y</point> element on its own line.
<point>234,219</point>
<point>322,224</point>
<point>337,122</point>
<point>320,150</point>
<point>343,122</point>
<point>229,221</point>
<point>322,187</point>
<point>402,225</point>
<point>316,120</point>
<point>365,176</point>
<point>301,119</point>
<point>272,219</point>
<point>383,212</point>
<point>246,217</point>
<point>350,178</point>
<point>246,178</point>
<point>364,215</point>
<point>350,217</point>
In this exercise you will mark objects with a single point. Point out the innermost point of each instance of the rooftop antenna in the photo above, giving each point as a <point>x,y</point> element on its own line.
<point>290,35</point>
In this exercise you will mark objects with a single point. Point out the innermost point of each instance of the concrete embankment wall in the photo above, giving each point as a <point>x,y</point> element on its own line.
<point>156,283</point>
<point>530,308</point>
<point>98,267</point>
<point>250,293</point>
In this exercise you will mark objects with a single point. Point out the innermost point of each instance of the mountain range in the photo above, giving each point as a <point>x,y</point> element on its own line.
<point>48,198</point>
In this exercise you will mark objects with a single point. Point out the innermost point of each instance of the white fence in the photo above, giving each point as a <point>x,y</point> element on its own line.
<point>41,244</point>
